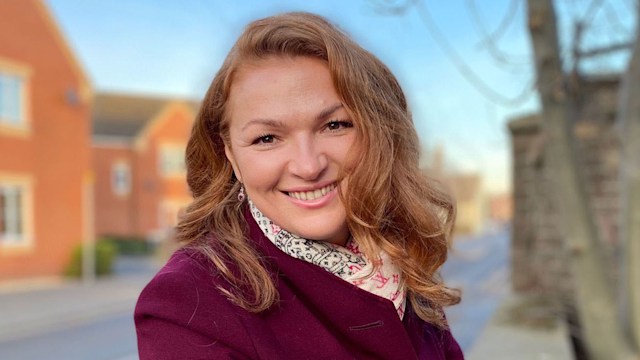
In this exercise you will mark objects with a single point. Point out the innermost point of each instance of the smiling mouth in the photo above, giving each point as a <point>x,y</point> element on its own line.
<point>312,195</point>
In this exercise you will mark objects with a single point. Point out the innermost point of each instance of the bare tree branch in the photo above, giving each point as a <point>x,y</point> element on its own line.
<point>605,50</point>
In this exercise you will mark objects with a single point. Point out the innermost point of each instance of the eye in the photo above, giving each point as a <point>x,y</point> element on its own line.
<point>336,125</point>
<point>264,139</point>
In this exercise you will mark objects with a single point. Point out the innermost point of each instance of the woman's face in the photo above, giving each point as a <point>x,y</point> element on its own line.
<point>289,135</point>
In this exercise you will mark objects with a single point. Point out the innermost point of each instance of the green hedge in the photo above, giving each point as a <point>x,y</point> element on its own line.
<point>105,254</point>
<point>130,245</point>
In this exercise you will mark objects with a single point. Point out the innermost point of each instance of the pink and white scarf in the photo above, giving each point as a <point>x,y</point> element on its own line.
<point>346,262</point>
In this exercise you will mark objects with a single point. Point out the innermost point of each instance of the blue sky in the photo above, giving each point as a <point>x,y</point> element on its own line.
<point>170,47</point>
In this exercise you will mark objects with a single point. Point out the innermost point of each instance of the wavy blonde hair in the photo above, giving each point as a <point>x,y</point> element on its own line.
<point>398,210</point>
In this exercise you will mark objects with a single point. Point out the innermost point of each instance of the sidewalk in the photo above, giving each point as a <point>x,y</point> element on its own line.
<point>508,338</point>
<point>54,306</point>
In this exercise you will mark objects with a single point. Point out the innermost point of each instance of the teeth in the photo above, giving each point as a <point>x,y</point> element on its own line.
<point>312,195</point>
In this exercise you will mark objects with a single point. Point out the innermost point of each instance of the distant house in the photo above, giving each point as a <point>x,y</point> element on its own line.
<point>45,173</point>
<point>500,208</point>
<point>466,189</point>
<point>138,158</point>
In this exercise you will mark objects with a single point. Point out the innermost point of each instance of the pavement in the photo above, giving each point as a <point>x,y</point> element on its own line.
<point>31,309</point>
<point>492,322</point>
<point>509,338</point>
<point>37,307</point>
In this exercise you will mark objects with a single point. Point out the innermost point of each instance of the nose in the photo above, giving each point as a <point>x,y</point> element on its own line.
<point>308,160</point>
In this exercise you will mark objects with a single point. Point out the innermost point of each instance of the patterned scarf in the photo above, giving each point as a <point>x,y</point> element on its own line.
<point>346,262</point>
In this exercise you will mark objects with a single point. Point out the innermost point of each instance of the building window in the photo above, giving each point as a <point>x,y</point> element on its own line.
<point>121,179</point>
<point>172,160</point>
<point>11,99</point>
<point>12,210</point>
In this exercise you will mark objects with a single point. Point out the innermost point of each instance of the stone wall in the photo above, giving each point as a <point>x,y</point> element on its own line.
<point>539,256</point>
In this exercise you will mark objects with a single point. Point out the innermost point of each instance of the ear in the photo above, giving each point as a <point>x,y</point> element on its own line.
<point>229,154</point>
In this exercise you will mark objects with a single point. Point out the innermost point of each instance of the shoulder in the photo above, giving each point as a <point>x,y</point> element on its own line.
<point>184,264</point>
<point>181,285</point>
<point>179,281</point>
<point>182,308</point>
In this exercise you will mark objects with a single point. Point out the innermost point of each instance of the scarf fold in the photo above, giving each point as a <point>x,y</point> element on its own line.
<point>346,262</point>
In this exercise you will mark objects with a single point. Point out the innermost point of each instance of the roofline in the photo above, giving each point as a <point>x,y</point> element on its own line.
<point>141,139</point>
<point>112,141</point>
<point>50,20</point>
<point>148,95</point>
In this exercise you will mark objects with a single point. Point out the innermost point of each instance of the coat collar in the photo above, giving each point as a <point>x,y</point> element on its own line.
<point>360,318</point>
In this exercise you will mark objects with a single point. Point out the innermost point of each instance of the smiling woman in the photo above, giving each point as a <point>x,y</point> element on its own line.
<point>287,162</point>
<point>313,234</point>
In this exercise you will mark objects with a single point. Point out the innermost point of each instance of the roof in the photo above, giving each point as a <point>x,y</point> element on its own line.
<point>125,115</point>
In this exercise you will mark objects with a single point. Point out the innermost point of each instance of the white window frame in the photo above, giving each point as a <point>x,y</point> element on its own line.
<point>21,215</point>
<point>12,99</point>
<point>171,160</point>
<point>121,171</point>
<point>20,124</point>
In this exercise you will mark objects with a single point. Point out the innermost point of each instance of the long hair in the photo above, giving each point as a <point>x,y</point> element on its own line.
<point>390,204</point>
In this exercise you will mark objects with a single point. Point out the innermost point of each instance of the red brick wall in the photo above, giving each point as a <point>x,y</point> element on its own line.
<point>174,126</point>
<point>114,213</point>
<point>176,129</point>
<point>56,153</point>
<point>139,213</point>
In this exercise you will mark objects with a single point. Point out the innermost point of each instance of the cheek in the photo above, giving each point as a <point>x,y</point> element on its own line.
<point>352,154</point>
<point>259,171</point>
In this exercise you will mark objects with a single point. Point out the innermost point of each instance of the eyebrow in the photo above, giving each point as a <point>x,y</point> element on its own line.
<point>267,122</point>
<point>323,115</point>
<point>328,111</point>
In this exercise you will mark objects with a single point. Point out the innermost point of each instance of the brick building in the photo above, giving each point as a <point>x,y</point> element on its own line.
<point>470,201</point>
<point>138,157</point>
<point>45,181</point>
<point>500,208</point>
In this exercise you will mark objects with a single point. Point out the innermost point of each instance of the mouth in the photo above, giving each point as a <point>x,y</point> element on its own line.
<point>312,194</point>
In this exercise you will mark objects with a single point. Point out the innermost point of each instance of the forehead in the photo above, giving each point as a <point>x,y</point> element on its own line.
<point>281,88</point>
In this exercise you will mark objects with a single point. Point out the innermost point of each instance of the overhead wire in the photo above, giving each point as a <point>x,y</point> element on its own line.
<point>465,70</point>
<point>489,40</point>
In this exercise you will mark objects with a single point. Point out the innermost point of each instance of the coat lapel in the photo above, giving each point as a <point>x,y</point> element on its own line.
<point>363,322</point>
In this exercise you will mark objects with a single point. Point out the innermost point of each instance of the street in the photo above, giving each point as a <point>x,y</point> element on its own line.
<point>76,322</point>
<point>72,321</point>
<point>479,266</point>
<point>112,338</point>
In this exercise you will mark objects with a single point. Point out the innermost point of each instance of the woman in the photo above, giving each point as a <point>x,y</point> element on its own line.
<point>313,234</point>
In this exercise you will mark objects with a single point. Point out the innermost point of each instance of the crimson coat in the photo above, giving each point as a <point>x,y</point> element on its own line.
<point>182,315</point>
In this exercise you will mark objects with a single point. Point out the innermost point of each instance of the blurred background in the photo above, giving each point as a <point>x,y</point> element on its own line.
<point>527,111</point>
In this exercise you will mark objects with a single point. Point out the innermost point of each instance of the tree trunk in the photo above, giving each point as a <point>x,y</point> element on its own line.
<point>601,331</point>
<point>629,120</point>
